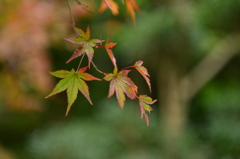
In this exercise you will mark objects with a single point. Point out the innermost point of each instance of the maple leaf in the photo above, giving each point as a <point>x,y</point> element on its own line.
<point>108,47</point>
<point>86,44</point>
<point>143,71</point>
<point>72,82</point>
<point>130,6</point>
<point>121,85</point>
<point>109,4</point>
<point>144,102</point>
<point>76,54</point>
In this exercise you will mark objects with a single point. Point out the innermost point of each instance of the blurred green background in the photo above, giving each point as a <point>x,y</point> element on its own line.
<point>190,47</point>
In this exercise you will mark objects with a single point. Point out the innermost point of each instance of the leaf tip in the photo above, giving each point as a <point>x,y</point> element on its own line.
<point>146,119</point>
<point>90,102</point>
<point>48,95</point>
<point>67,111</point>
<point>66,114</point>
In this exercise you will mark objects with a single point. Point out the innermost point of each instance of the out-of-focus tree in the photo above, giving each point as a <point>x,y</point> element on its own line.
<point>187,43</point>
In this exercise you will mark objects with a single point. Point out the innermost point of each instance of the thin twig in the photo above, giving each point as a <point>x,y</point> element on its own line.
<point>210,65</point>
<point>84,6</point>
<point>73,22</point>
<point>80,3</point>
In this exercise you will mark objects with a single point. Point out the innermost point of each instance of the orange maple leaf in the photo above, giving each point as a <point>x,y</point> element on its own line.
<point>131,5</point>
<point>109,4</point>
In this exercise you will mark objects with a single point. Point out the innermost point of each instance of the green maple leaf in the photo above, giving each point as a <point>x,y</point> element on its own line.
<point>144,102</point>
<point>72,82</point>
<point>86,44</point>
<point>121,85</point>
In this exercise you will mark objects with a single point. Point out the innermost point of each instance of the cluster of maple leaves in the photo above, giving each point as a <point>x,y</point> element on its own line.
<point>120,84</point>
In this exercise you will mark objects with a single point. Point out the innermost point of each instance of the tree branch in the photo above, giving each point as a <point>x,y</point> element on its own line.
<point>209,66</point>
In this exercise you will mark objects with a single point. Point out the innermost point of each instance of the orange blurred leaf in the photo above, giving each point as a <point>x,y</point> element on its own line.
<point>109,4</point>
<point>130,6</point>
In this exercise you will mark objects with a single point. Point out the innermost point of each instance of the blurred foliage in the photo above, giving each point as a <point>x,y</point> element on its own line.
<point>107,133</point>
<point>31,44</point>
<point>218,107</point>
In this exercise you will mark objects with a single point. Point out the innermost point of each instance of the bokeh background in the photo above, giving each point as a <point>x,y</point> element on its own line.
<point>190,47</point>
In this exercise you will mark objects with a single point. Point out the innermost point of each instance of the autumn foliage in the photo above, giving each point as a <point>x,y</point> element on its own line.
<point>119,82</point>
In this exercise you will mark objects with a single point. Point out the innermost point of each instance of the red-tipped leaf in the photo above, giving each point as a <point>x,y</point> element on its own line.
<point>144,103</point>
<point>86,44</point>
<point>121,85</point>
<point>108,47</point>
<point>143,71</point>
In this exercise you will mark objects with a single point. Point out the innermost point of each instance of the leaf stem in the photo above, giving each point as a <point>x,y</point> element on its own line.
<point>80,62</point>
<point>97,68</point>
<point>126,68</point>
